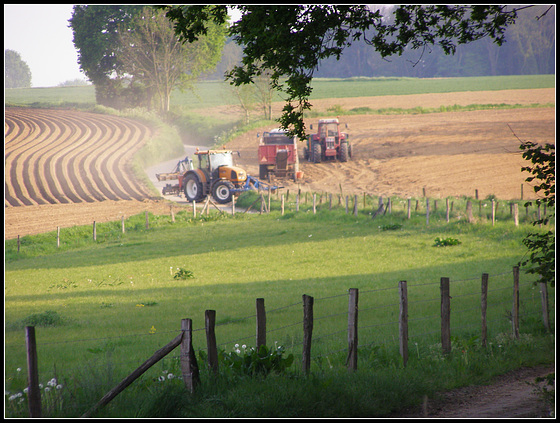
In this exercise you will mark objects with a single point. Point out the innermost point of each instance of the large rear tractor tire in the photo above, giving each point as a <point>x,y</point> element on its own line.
<point>222,191</point>
<point>193,188</point>
<point>316,153</point>
<point>343,152</point>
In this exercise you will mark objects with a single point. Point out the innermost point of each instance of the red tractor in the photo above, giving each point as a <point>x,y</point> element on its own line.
<point>328,143</point>
<point>277,154</point>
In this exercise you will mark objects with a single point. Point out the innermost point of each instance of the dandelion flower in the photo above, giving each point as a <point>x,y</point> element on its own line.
<point>59,387</point>
<point>161,378</point>
<point>170,376</point>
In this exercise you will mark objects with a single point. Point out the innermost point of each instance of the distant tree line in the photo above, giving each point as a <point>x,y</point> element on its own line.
<point>16,71</point>
<point>529,49</point>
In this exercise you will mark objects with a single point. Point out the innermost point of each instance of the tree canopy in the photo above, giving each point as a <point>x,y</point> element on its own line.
<point>16,72</point>
<point>291,40</point>
<point>132,55</point>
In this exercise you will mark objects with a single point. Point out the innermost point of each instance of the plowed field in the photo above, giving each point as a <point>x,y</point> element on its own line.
<point>447,154</point>
<point>65,168</point>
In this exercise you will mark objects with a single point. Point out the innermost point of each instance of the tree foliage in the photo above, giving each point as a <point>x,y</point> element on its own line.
<point>131,54</point>
<point>154,57</point>
<point>16,72</point>
<point>541,246</point>
<point>290,41</point>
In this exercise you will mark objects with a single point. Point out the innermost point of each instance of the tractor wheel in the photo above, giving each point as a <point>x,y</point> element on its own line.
<point>193,188</point>
<point>343,152</point>
<point>317,153</point>
<point>263,171</point>
<point>222,191</point>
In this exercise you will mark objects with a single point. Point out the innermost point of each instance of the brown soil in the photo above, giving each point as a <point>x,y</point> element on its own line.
<point>64,168</point>
<point>443,154</point>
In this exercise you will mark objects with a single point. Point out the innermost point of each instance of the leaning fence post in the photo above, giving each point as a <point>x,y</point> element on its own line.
<point>261,323</point>
<point>34,394</point>
<point>189,366</point>
<point>445,316</point>
<point>515,308</point>
<point>544,302</point>
<point>210,324</point>
<point>483,307</point>
<point>352,360</point>
<point>307,332</point>
<point>403,321</point>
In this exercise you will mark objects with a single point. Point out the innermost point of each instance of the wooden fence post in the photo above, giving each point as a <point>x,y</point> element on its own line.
<point>34,394</point>
<point>210,324</point>
<point>470,217</point>
<point>158,355</point>
<point>194,209</point>
<point>352,360</point>
<point>483,307</point>
<point>189,366</point>
<point>346,204</point>
<point>261,323</point>
<point>282,200</point>
<point>172,213</point>
<point>330,201</point>
<point>516,214</point>
<point>355,205</point>
<point>515,308</point>
<point>445,316</point>
<point>493,212</point>
<point>307,332</point>
<point>403,322</point>
<point>314,203</point>
<point>544,303</point>
<point>122,223</point>
<point>408,209</point>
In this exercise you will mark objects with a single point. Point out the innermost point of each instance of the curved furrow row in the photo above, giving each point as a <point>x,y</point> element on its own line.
<point>55,156</point>
<point>131,140</point>
<point>22,169</point>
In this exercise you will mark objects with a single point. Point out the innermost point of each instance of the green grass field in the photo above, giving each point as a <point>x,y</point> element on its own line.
<point>112,303</point>
<point>102,308</point>
<point>216,93</point>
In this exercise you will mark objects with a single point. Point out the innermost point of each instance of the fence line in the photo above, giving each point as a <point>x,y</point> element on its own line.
<point>190,367</point>
<point>382,207</point>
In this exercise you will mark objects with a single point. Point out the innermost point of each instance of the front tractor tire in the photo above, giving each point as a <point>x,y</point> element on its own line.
<point>222,191</point>
<point>193,188</point>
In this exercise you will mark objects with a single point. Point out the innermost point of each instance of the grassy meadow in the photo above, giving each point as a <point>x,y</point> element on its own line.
<point>102,308</point>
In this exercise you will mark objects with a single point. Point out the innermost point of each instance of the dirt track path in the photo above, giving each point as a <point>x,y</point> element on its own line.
<point>509,395</point>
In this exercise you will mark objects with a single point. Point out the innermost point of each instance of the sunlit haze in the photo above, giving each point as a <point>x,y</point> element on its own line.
<point>40,34</point>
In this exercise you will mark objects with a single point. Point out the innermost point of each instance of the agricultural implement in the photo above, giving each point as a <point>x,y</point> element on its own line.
<point>328,143</point>
<point>214,174</point>
<point>277,155</point>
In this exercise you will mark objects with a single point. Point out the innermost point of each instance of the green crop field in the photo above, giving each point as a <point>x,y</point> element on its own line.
<point>216,93</point>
